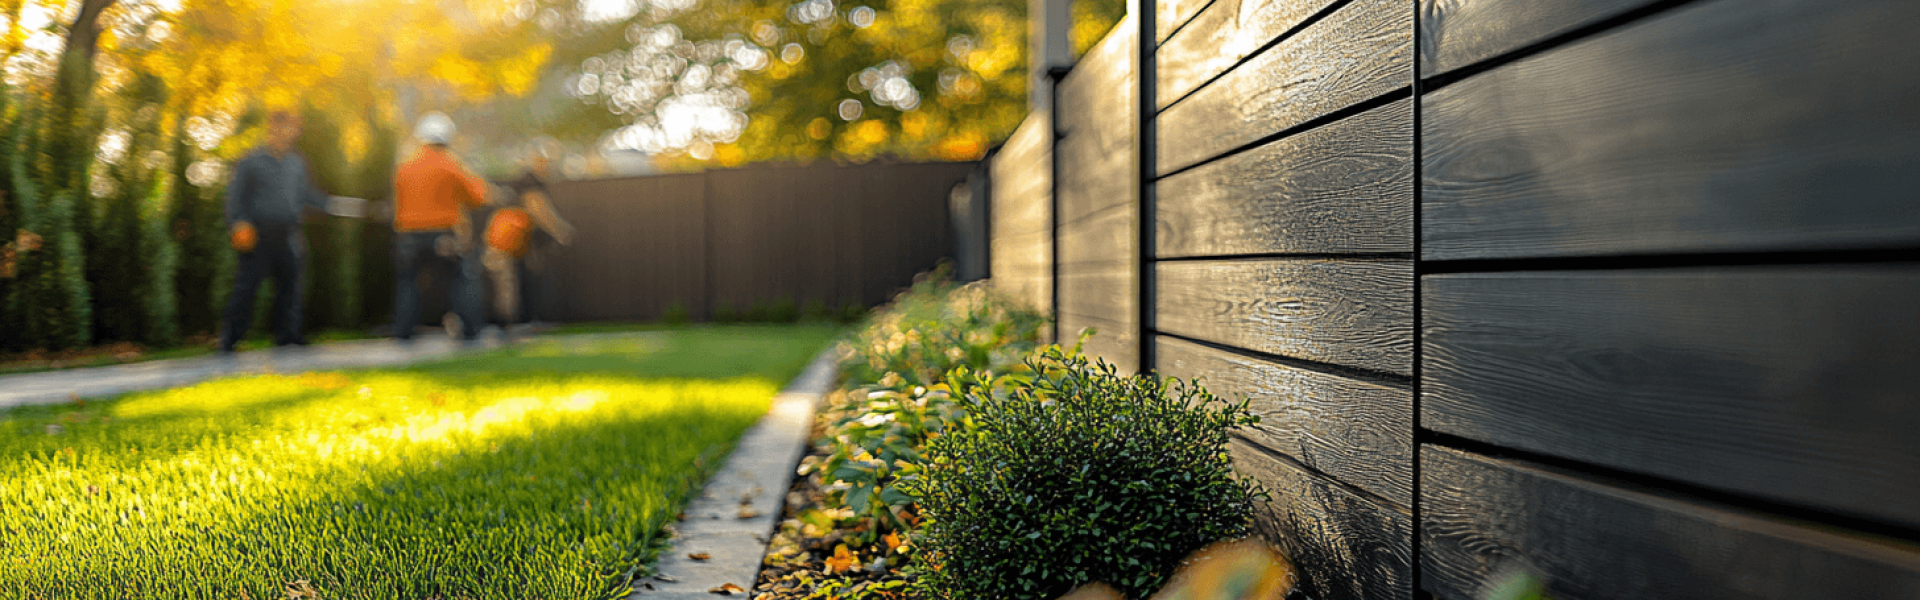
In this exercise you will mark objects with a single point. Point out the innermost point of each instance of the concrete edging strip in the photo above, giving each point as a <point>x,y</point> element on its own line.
<point>753,481</point>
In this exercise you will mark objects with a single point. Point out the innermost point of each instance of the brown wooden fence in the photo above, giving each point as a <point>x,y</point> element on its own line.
<point>736,239</point>
<point>1609,291</point>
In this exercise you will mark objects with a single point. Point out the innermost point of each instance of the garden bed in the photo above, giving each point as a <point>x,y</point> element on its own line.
<point>963,458</point>
<point>546,470</point>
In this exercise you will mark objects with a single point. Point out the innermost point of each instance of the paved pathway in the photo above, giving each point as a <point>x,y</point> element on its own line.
<point>57,386</point>
<point>755,477</point>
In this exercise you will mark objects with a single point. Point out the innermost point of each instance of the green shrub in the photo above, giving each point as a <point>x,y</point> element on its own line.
<point>55,305</point>
<point>938,325</point>
<point>875,431</point>
<point>198,231</point>
<point>852,312</point>
<point>896,400</point>
<point>161,258</point>
<point>779,310</point>
<point>723,313</point>
<point>816,311</point>
<point>676,314</point>
<point>1077,475</point>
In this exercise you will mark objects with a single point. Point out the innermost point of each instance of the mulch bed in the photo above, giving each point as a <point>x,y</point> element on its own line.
<point>806,560</point>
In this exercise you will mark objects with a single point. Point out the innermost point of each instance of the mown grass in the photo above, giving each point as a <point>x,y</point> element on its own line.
<point>541,471</point>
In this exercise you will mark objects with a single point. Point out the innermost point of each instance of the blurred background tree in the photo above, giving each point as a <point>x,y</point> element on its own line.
<point>118,119</point>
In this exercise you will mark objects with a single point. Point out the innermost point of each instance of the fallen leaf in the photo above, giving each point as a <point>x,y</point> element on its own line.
<point>841,560</point>
<point>727,589</point>
<point>699,556</point>
<point>648,585</point>
<point>747,512</point>
<point>893,541</point>
<point>665,577</point>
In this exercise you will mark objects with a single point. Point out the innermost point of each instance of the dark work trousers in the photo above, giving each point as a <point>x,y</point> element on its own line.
<point>281,253</point>
<point>413,252</point>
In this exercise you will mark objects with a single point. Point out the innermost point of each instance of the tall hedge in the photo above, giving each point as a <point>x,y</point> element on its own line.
<point>198,229</point>
<point>162,326</point>
<point>9,223</point>
<point>374,181</point>
<point>333,292</point>
<point>50,301</point>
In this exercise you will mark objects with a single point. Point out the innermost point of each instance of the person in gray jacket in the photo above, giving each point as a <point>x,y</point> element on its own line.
<point>265,202</point>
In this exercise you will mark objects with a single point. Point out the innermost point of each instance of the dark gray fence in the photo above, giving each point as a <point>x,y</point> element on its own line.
<point>736,239</point>
<point>1612,292</point>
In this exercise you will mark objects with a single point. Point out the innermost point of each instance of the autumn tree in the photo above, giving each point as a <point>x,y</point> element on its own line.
<point>735,81</point>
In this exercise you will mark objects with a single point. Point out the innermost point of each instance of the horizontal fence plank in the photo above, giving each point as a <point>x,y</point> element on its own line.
<point>1104,291</point>
<point>1170,15</point>
<point>1021,177</point>
<point>1357,431</point>
<point>1117,342</point>
<point>1104,237</point>
<point>1027,251</point>
<point>1031,291</point>
<point>1360,52</point>
<point>1458,33</point>
<point>1484,519</point>
<point>1095,155</point>
<point>1357,313</point>
<point>1220,37</point>
<point>1346,187</point>
<point>1787,383</point>
<point>1720,126</point>
<point>1345,546</point>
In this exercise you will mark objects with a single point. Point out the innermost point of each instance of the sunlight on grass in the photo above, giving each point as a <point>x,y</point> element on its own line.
<point>485,478</point>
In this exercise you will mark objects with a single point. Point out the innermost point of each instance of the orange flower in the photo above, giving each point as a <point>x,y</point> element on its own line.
<point>841,561</point>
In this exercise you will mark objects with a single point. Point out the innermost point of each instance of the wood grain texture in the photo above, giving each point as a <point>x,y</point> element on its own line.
<point>1105,237</point>
<point>1718,126</point>
<point>1458,33</point>
<point>1115,342</point>
<point>1484,518</point>
<point>1102,291</point>
<point>1362,51</point>
<point>1219,37</point>
<point>1021,177</point>
<point>1023,252</point>
<point>1346,187</point>
<point>1097,165</point>
<point>1357,313</point>
<point>1033,291</point>
<point>1788,383</point>
<point>1169,15</point>
<point>1356,431</point>
<point>1345,546</point>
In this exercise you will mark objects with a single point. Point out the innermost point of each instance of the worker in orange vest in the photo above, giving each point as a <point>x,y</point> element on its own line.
<point>512,231</point>
<point>432,193</point>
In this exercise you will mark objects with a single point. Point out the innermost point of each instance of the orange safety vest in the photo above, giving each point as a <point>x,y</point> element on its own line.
<point>430,189</point>
<point>507,231</point>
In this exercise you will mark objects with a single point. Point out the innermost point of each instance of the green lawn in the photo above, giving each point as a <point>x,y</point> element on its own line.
<point>540,471</point>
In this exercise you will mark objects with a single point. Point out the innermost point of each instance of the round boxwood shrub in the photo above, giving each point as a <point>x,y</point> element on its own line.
<point>1075,474</point>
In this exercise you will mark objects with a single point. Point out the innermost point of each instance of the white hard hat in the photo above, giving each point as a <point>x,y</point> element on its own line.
<point>435,128</point>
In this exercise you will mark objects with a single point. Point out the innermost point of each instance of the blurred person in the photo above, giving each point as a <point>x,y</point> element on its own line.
<point>432,192</point>
<point>265,201</point>
<point>521,240</point>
